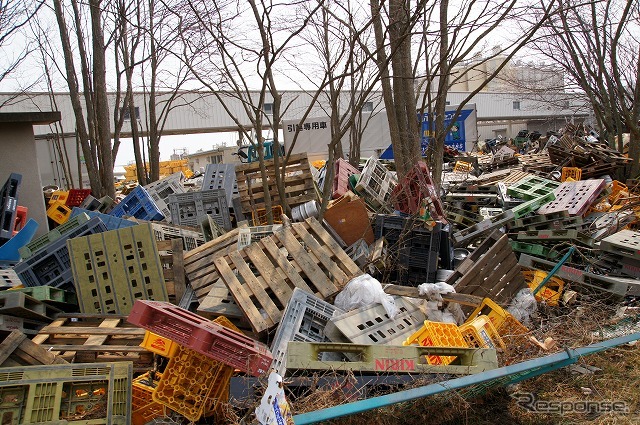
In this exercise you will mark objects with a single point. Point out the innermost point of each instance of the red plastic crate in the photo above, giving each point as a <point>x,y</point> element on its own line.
<point>417,185</point>
<point>211,339</point>
<point>343,170</point>
<point>76,196</point>
<point>21,218</point>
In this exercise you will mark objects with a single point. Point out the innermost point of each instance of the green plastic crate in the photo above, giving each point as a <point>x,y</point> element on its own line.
<point>50,294</point>
<point>113,269</point>
<point>83,394</point>
<point>29,249</point>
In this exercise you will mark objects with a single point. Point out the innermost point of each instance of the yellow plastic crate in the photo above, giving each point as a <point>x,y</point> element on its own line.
<point>480,333</point>
<point>59,212</point>
<point>462,167</point>
<point>59,196</point>
<point>512,332</point>
<point>159,345</point>
<point>436,334</point>
<point>574,173</point>
<point>552,290</point>
<point>144,409</point>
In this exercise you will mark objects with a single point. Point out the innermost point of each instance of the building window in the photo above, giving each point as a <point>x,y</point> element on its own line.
<point>447,103</point>
<point>268,108</point>
<point>367,107</point>
<point>126,116</point>
<point>516,105</point>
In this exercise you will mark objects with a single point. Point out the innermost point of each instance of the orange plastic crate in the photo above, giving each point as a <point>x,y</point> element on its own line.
<point>259,217</point>
<point>159,345</point>
<point>551,291</point>
<point>143,408</point>
<point>571,172</point>
<point>512,332</point>
<point>59,212</point>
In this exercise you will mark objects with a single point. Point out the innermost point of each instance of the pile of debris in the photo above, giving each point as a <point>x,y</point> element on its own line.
<point>176,306</point>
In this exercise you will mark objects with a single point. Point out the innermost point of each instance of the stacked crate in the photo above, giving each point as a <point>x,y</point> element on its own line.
<point>161,189</point>
<point>188,209</point>
<point>376,183</point>
<point>138,204</point>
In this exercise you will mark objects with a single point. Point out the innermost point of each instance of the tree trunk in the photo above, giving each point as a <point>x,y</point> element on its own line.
<point>441,97</point>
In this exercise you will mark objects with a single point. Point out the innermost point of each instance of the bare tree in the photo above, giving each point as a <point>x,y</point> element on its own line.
<point>14,18</point>
<point>596,44</point>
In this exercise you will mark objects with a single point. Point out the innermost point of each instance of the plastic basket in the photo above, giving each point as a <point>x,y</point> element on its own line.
<point>436,334</point>
<point>550,292</point>
<point>512,332</point>
<point>480,333</point>
<point>159,345</point>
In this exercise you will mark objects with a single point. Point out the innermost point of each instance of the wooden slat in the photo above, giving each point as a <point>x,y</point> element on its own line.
<point>408,291</point>
<point>179,280</point>
<point>243,299</point>
<point>320,252</point>
<point>284,265</point>
<point>344,259</point>
<point>81,330</point>
<point>282,291</point>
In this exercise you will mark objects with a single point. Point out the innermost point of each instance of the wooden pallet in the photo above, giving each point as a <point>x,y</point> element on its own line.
<point>18,350</point>
<point>298,181</point>
<point>198,263</point>
<point>95,338</point>
<point>172,260</point>
<point>491,270</point>
<point>302,255</point>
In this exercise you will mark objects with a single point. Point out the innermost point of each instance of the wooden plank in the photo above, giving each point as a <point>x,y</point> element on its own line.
<point>309,267</point>
<point>81,330</point>
<point>243,299</point>
<point>281,290</point>
<point>98,348</point>
<point>476,270</point>
<point>344,260</point>
<point>408,291</point>
<point>179,280</point>
<point>10,344</point>
<point>319,252</point>
<point>253,285</point>
<point>282,261</point>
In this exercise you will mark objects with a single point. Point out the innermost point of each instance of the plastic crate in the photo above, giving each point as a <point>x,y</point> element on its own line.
<point>96,394</point>
<point>20,220</point>
<point>50,265</point>
<point>247,235</point>
<point>372,325</point>
<point>111,222</point>
<point>221,176</point>
<point>343,170</point>
<point>417,190</point>
<point>191,239</point>
<point>512,332</point>
<point>259,216</point>
<point>59,212</point>
<point>436,334</point>
<point>9,279</point>
<point>50,295</point>
<point>138,204</point>
<point>144,409</point>
<point>77,196</point>
<point>161,189</point>
<point>159,344</point>
<point>574,173</point>
<point>193,384</point>
<point>193,331</point>
<point>304,319</point>
<point>90,203</point>
<point>59,196</point>
<point>44,240</point>
<point>550,292</point>
<point>376,183</point>
<point>113,269</point>
<point>480,333</point>
<point>188,209</point>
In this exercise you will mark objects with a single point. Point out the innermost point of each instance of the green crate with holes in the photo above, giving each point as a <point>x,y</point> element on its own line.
<point>116,268</point>
<point>82,394</point>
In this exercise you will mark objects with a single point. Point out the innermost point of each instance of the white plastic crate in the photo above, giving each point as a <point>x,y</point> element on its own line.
<point>191,238</point>
<point>304,319</point>
<point>247,235</point>
<point>161,189</point>
<point>372,325</point>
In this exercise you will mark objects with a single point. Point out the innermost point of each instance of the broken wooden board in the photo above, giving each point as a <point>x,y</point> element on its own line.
<point>261,277</point>
<point>454,297</point>
<point>491,270</point>
<point>95,338</point>
<point>18,350</point>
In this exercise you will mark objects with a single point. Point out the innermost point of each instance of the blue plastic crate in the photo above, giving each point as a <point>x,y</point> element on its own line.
<point>111,222</point>
<point>138,204</point>
<point>9,204</point>
<point>50,265</point>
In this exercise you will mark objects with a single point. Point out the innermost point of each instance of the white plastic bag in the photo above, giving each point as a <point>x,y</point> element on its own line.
<point>364,291</point>
<point>432,308</point>
<point>523,306</point>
